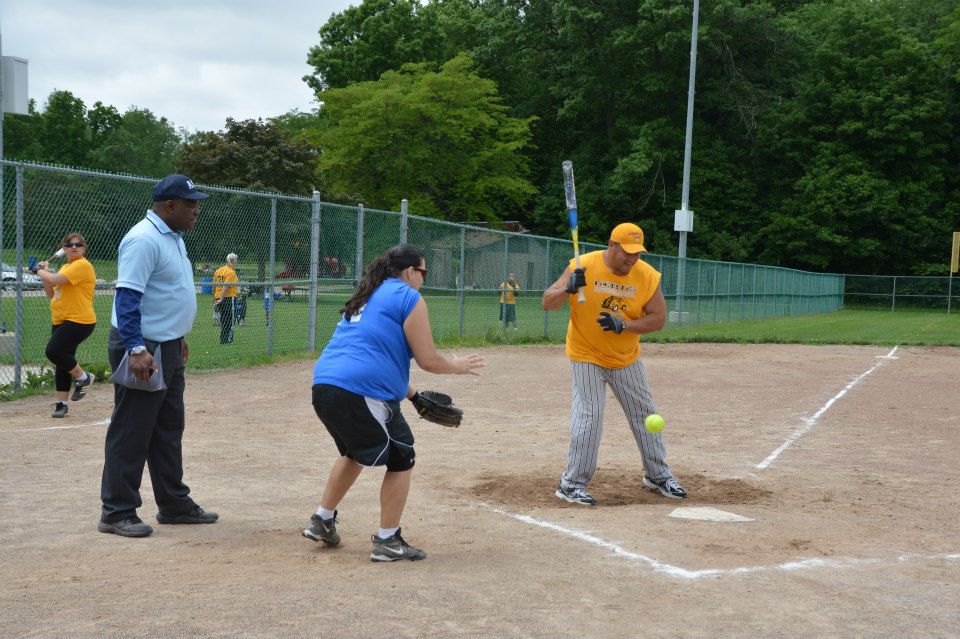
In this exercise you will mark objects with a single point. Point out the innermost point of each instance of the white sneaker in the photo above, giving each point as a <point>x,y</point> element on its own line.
<point>575,496</point>
<point>668,487</point>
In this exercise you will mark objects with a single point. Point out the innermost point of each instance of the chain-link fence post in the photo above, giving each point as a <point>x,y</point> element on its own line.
<point>404,218</point>
<point>269,304</point>
<point>893,298</point>
<point>314,270</point>
<point>699,287</point>
<point>18,324</point>
<point>949,291</point>
<point>358,267</point>
<point>547,275</point>
<point>461,279</point>
<point>503,279</point>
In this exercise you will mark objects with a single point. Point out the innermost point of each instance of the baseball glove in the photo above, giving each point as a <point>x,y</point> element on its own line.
<point>437,407</point>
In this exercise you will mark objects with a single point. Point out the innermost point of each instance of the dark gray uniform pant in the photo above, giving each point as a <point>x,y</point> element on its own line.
<point>146,428</point>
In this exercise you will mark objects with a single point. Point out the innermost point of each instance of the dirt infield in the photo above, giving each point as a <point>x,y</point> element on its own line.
<point>845,458</point>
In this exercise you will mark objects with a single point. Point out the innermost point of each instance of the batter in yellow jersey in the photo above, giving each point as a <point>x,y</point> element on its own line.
<point>623,296</point>
<point>623,300</point>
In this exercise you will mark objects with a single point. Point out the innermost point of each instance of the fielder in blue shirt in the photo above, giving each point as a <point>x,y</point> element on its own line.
<point>358,383</point>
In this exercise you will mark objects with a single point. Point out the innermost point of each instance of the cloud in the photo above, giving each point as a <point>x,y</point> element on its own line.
<point>194,63</point>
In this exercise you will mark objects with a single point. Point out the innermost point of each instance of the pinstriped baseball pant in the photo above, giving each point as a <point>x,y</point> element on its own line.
<point>630,387</point>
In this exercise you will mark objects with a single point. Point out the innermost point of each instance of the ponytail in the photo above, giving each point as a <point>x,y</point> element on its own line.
<point>388,264</point>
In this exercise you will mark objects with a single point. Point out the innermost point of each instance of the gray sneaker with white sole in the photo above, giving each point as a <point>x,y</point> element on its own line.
<point>324,530</point>
<point>668,487</point>
<point>393,548</point>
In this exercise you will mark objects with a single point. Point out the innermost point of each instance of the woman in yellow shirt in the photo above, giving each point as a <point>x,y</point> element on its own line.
<point>71,309</point>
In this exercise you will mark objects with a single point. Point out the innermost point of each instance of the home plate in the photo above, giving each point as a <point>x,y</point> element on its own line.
<point>704,513</point>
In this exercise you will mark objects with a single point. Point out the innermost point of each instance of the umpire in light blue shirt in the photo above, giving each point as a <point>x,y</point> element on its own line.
<point>153,310</point>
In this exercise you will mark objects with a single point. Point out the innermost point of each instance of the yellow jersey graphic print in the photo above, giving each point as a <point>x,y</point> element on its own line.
<point>615,305</point>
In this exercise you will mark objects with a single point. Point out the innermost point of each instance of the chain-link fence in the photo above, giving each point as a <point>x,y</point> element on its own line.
<point>299,259</point>
<point>891,292</point>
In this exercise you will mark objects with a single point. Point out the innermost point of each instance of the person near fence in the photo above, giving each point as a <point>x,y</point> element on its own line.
<point>153,310</point>
<point>509,291</point>
<point>71,310</point>
<point>225,295</point>
<point>623,301</point>
<point>358,383</point>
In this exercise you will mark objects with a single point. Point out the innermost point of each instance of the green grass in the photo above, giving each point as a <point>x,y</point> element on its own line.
<point>908,328</point>
<point>480,327</point>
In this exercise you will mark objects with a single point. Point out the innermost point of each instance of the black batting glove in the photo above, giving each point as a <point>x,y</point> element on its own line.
<point>577,279</point>
<point>611,323</point>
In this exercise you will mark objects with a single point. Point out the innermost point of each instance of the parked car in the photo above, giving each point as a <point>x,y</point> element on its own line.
<point>30,281</point>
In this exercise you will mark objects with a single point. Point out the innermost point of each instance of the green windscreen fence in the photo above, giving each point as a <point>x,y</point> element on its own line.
<point>299,260</point>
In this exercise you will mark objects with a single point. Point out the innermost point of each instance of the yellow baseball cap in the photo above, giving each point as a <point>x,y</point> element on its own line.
<point>629,237</point>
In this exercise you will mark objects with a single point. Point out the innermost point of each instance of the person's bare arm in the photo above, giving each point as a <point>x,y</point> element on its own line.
<point>50,279</point>
<point>655,316</point>
<point>417,330</point>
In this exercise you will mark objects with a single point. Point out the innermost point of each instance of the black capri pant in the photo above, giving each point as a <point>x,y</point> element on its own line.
<point>62,350</point>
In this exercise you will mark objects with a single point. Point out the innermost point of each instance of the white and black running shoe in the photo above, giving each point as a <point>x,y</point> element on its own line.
<point>668,487</point>
<point>575,496</point>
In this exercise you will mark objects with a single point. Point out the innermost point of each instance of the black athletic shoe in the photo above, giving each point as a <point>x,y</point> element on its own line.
<point>668,487</point>
<point>130,527</point>
<point>393,548</point>
<point>60,409</point>
<point>575,496</point>
<point>324,530</point>
<point>79,385</point>
<point>196,516</point>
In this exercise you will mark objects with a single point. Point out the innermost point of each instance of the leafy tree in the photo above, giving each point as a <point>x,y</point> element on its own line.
<point>362,42</point>
<point>102,120</point>
<point>249,154</point>
<point>442,139</point>
<point>137,142</point>
<point>21,134</point>
<point>256,155</point>
<point>63,133</point>
<point>608,82</point>
<point>862,143</point>
<point>948,41</point>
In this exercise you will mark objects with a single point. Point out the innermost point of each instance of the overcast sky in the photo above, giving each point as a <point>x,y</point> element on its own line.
<point>195,62</point>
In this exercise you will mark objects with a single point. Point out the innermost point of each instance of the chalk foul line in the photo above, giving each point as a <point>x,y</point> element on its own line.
<point>102,422</point>
<point>810,422</point>
<point>683,573</point>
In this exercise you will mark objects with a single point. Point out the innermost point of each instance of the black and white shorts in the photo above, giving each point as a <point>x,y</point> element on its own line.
<point>371,432</point>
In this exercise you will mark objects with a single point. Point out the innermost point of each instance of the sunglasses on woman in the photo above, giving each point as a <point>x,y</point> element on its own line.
<point>422,271</point>
<point>72,244</point>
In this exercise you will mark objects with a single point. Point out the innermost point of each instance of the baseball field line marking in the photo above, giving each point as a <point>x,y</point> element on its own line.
<point>683,573</point>
<point>810,422</point>
<point>102,422</point>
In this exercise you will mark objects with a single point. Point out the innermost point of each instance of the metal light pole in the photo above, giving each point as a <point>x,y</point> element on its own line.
<point>683,218</point>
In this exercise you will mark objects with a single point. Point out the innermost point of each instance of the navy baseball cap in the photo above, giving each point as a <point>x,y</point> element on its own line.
<point>176,186</point>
